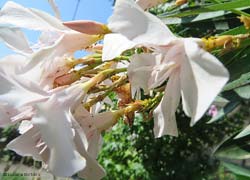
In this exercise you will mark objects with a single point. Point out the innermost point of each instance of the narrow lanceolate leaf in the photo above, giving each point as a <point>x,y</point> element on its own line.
<point>235,31</point>
<point>199,17</point>
<point>237,169</point>
<point>243,80</point>
<point>227,6</point>
<point>243,133</point>
<point>233,152</point>
<point>243,92</point>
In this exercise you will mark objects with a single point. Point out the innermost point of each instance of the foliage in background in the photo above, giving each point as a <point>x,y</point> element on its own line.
<point>134,153</point>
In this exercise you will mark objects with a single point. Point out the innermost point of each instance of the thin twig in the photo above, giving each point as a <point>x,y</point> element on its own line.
<point>76,9</point>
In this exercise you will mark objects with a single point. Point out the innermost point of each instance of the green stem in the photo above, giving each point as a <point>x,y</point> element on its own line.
<point>96,60</point>
<point>117,84</point>
<point>101,76</point>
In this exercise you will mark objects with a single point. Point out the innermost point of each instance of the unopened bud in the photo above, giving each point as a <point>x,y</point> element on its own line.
<point>104,121</point>
<point>67,79</point>
<point>180,2</point>
<point>88,27</point>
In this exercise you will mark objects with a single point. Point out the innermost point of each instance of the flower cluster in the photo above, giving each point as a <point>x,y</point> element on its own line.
<point>56,99</point>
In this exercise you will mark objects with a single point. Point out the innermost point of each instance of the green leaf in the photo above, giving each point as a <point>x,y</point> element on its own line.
<point>233,152</point>
<point>243,133</point>
<point>243,92</point>
<point>237,62</point>
<point>243,80</point>
<point>235,169</point>
<point>241,177</point>
<point>199,17</point>
<point>233,149</point>
<point>235,31</point>
<point>220,101</point>
<point>216,7</point>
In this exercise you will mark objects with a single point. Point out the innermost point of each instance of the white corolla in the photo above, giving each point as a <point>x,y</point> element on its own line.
<point>190,71</point>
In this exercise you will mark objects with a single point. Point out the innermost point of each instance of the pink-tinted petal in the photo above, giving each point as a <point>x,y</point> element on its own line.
<point>172,58</point>
<point>85,121</point>
<point>6,112</point>
<point>87,27</point>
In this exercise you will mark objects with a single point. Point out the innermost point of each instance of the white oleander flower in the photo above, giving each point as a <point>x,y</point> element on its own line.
<point>191,73</point>
<point>57,42</point>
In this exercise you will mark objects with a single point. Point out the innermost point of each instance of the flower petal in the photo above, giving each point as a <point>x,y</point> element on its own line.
<point>55,8</point>
<point>24,126</point>
<point>50,62</point>
<point>25,144</point>
<point>16,93</point>
<point>114,45</point>
<point>139,71</point>
<point>15,39</point>
<point>12,64</point>
<point>6,112</point>
<point>85,120</point>
<point>146,4</point>
<point>19,16</point>
<point>13,93</point>
<point>53,122</point>
<point>141,27</point>
<point>202,78</point>
<point>87,140</point>
<point>92,170</point>
<point>164,114</point>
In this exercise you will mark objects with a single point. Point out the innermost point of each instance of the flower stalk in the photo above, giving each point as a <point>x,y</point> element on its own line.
<point>122,80</point>
<point>101,76</point>
<point>225,41</point>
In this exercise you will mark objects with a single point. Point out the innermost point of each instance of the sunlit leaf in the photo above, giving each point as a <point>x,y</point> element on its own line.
<point>243,133</point>
<point>236,169</point>
<point>215,7</point>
